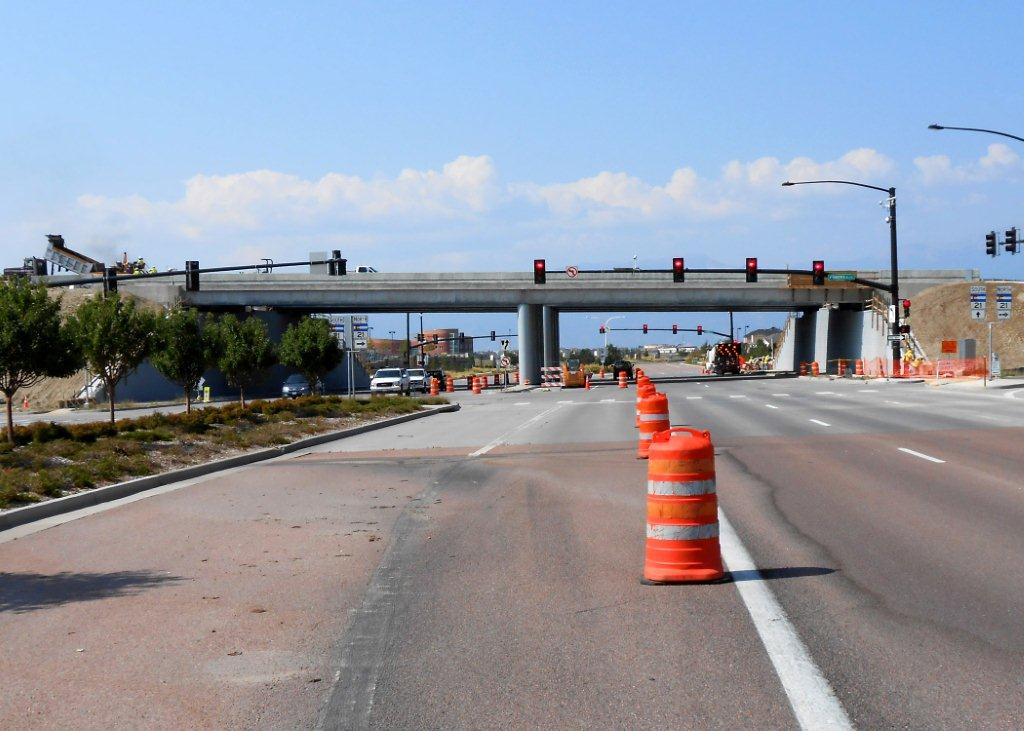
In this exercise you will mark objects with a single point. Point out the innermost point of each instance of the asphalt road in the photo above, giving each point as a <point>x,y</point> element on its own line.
<point>500,588</point>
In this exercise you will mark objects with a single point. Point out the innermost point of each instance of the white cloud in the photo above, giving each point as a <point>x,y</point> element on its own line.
<point>998,162</point>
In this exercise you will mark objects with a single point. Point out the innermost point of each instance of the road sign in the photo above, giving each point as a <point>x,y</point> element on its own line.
<point>979,301</point>
<point>505,361</point>
<point>895,338</point>
<point>841,276</point>
<point>949,347</point>
<point>572,272</point>
<point>504,345</point>
<point>1004,301</point>
<point>360,332</point>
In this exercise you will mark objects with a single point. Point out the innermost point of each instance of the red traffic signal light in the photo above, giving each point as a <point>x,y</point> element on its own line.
<point>700,329</point>
<point>906,308</point>
<point>675,329</point>
<point>678,269</point>
<point>818,271</point>
<point>601,329</point>
<point>751,268</point>
<point>645,328</point>
<point>540,271</point>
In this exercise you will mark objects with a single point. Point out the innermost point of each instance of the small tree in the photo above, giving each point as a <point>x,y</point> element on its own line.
<point>246,351</point>
<point>311,348</point>
<point>612,354</point>
<point>188,347</point>
<point>116,336</point>
<point>34,342</point>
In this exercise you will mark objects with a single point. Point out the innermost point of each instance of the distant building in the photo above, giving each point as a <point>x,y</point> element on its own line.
<point>450,341</point>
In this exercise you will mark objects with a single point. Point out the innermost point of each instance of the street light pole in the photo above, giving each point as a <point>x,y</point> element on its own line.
<point>894,281</point>
<point>978,129</point>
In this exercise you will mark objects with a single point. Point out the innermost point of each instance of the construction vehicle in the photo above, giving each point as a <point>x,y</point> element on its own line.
<point>724,359</point>
<point>573,375</point>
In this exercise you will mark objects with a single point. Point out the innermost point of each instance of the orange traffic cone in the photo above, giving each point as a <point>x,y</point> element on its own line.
<point>682,509</point>
<point>653,419</point>
<point>586,382</point>
<point>24,402</point>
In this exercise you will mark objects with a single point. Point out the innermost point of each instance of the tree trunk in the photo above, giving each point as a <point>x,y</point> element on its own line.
<point>10,417</point>
<point>241,396</point>
<point>110,395</point>
<point>188,400</point>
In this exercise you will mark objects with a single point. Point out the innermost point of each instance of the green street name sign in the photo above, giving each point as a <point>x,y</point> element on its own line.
<point>841,276</point>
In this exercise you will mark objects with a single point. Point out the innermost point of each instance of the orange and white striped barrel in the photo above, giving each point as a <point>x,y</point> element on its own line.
<point>643,390</point>
<point>622,379</point>
<point>496,381</point>
<point>653,416</point>
<point>476,386</point>
<point>435,387</point>
<point>858,368</point>
<point>449,384</point>
<point>815,370</point>
<point>601,374</point>
<point>682,508</point>
<point>803,369</point>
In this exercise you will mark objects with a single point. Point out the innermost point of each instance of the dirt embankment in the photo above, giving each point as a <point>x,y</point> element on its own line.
<point>943,313</point>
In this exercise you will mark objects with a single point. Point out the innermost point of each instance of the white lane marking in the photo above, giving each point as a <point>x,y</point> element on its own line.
<point>936,460</point>
<point>566,402</point>
<point>770,406</point>
<point>812,699</point>
<point>706,385</point>
<point>895,403</point>
<point>607,401</point>
<point>819,422</point>
<point>492,444</point>
<point>1010,394</point>
<point>825,393</point>
<point>736,395</point>
<point>521,403</point>
<point>868,390</point>
<point>693,398</point>
<point>781,395</point>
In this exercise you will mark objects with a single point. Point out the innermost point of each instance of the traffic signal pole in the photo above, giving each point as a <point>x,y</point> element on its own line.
<point>894,282</point>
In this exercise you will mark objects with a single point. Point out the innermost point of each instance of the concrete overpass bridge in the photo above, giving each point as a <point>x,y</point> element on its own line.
<point>845,304</point>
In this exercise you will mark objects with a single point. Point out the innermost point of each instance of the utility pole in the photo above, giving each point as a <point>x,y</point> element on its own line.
<point>408,340</point>
<point>732,335</point>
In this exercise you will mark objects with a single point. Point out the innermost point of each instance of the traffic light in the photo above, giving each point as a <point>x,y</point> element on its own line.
<point>1011,241</point>
<point>675,329</point>
<point>904,329</point>
<point>435,337</point>
<point>419,337</point>
<point>540,271</point>
<point>645,328</point>
<point>678,269</point>
<point>493,335</point>
<point>990,244</point>
<point>818,272</point>
<point>191,276</point>
<point>462,342</point>
<point>337,266</point>
<point>601,330</point>
<point>906,308</point>
<point>751,268</point>
<point>700,329</point>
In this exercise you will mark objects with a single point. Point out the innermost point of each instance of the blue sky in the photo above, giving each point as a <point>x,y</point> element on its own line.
<point>476,136</point>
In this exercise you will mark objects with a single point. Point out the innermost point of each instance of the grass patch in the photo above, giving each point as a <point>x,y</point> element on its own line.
<point>49,459</point>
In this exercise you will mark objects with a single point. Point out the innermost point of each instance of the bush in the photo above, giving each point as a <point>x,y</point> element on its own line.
<point>48,432</point>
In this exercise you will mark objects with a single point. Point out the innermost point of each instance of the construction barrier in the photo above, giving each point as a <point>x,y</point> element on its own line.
<point>653,415</point>
<point>551,376</point>
<point>516,377</point>
<point>435,387</point>
<point>476,387</point>
<point>682,509</point>
<point>643,390</point>
<point>449,384</point>
<point>601,374</point>
<point>943,368</point>
<point>815,371</point>
<point>803,369</point>
<point>496,381</point>
<point>858,368</point>
<point>622,379</point>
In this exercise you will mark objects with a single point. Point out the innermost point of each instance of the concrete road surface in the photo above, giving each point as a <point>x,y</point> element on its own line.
<point>481,570</point>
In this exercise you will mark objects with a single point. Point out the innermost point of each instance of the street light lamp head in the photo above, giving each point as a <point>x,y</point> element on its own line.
<point>935,126</point>
<point>787,183</point>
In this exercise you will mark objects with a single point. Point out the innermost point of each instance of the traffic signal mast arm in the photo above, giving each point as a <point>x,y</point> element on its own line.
<point>419,343</point>
<point>668,329</point>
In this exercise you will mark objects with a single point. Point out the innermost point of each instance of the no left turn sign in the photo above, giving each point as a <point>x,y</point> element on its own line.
<point>505,362</point>
<point>572,272</point>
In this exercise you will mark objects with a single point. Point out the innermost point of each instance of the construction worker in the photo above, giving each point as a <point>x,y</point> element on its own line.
<point>140,265</point>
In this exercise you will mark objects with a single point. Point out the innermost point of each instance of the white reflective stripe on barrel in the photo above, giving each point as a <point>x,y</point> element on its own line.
<point>646,436</point>
<point>665,532</point>
<point>654,417</point>
<point>690,487</point>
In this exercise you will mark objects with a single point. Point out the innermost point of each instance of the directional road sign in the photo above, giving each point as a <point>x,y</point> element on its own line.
<point>1004,301</point>
<point>979,301</point>
<point>360,332</point>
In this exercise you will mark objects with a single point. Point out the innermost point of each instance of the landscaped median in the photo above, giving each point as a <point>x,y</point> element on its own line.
<point>51,460</point>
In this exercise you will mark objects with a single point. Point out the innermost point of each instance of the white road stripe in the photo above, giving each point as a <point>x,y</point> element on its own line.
<point>812,699</point>
<point>825,393</point>
<point>736,395</point>
<point>781,395</point>
<point>770,406</point>
<point>521,403</point>
<point>566,402</point>
<point>936,460</point>
<point>491,445</point>
<point>608,401</point>
<point>868,390</point>
<point>895,403</point>
<point>819,422</point>
<point>693,398</point>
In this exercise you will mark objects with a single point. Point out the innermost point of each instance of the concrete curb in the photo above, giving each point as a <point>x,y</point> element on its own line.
<point>774,375</point>
<point>61,505</point>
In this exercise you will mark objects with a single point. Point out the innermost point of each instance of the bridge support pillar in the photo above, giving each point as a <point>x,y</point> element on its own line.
<point>551,354</point>
<point>531,343</point>
<point>804,329</point>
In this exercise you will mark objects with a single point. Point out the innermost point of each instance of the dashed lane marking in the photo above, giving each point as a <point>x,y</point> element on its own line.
<point>816,421</point>
<point>771,406</point>
<point>566,402</point>
<point>782,395</point>
<point>608,401</point>
<point>812,699</point>
<point>825,393</point>
<point>693,398</point>
<point>868,390</point>
<point>936,460</point>
<point>521,403</point>
<point>529,422</point>
<point>895,403</point>
<point>737,395</point>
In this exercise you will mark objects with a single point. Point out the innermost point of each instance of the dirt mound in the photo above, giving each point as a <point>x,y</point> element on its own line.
<point>943,313</point>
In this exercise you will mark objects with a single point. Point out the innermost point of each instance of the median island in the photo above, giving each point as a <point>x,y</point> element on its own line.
<point>48,460</point>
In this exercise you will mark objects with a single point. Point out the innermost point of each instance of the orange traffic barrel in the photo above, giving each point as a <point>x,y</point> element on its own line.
<point>496,382</point>
<point>653,415</point>
<point>682,509</point>
<point>858,368</point>
<point>803,369</point>
<point>643,390</point>
<point>476,386</point>
<point>449,384</point>
<point>601,374</point>
<point>435,388</point>
<point>622,379</point>
<point>815,371</point>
